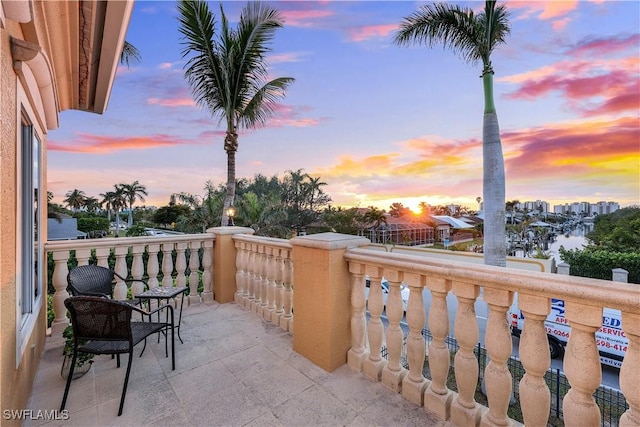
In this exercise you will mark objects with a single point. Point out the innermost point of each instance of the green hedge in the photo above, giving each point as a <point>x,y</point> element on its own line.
<point>93,224</point>
<point>598,264</point>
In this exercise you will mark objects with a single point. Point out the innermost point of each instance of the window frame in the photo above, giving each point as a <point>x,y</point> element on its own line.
<point>29,238</point>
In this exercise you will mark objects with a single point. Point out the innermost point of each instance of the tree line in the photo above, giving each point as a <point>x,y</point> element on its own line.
<point>273,206</point>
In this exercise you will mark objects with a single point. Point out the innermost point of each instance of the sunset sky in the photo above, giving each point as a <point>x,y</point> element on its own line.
<point>377,122</point>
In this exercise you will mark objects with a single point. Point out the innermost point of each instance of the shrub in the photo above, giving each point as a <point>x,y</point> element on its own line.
<point>598,263</point>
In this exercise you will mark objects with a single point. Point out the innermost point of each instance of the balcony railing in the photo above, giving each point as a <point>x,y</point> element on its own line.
<point>183,260</point>
<point>584,299</point>
<point>328,273</point>
<point>264,274</point>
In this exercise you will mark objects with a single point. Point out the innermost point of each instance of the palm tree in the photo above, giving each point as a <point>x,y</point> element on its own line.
<point>54,210</point>
<point>107,201</point>
<point>264,214</point>
<point>203,210</point>
<point>474,37</point>
<point>75,199</point>
<point>375,216</point>
<point>228,75</point>
<point>129,54</point>
<point>131,192</point>
<point>118,201</point>
<point>92,204</point>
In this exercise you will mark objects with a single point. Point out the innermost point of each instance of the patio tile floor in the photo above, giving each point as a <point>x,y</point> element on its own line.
<point>234,369</point>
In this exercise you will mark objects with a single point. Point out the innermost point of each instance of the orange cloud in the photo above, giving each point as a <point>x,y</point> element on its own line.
<point>570,149</point>
<point>371,31</point>
<point>603,154</point>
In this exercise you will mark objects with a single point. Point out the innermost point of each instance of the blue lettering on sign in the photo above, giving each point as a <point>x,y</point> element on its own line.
<point>557,305</point>
<point>611,322</point>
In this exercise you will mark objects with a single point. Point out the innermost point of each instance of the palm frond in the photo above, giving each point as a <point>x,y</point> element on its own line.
<point>457,28</point>
<point>129,54</point>
<point>262,104</point>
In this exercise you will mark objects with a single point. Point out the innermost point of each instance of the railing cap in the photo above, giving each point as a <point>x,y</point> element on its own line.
<point>330,241</point>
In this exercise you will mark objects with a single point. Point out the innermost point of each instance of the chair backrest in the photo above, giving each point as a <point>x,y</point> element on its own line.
<point>97,318</point>
<point>90,280</point>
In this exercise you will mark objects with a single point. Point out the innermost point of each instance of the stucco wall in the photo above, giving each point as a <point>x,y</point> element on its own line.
<point>15,383</point>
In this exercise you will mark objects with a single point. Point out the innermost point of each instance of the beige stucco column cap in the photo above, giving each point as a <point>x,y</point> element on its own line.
<point>230,230</point>
<point>330,241</point>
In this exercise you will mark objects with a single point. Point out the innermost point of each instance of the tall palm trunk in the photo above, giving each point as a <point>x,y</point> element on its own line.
<point>230,146</point>
<point>493,192</point>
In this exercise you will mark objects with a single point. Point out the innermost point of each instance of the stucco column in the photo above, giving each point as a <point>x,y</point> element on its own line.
<point>224,262</point>
<point>322,297</point>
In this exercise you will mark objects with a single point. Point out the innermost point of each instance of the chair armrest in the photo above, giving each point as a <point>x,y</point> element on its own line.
<point>94,294</point>
<point>149,313</point>
<point>131,280</point>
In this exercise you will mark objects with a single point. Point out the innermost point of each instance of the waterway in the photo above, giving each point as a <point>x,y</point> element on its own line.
<point>574,240</point>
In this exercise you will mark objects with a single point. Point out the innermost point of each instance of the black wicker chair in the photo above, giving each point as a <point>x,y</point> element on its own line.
<point>104,326</point>
<point>95,280</point>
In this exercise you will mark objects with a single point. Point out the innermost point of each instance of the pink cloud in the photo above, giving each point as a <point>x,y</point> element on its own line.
<point>286,57</point>
<point>97,144</point>
<point>176,102</point>
<point>559,24</point>
<point>305,18</point>
<point>545,9</point>
<point>611,85</point>
<point>596,47</point>
<point>371,31</point>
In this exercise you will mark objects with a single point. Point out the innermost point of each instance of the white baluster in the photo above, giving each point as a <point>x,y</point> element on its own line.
<point>153,267</point>
<point>167,265</point>
<point>60,272</point>
<point>120,290</point>
<point>464,409</point>
<point>372,366</point>
<point>248,275</point>
<point>181,264</point>
<point>582,365</point>
<point>535,397</point>
<point>358,352</point>
<point>498,342</point>
<point>393,373</point>
<point>271,284</point>
<point>286,322</point>
<point>437,397</point>
<point>207,273</point>
<point>102,255</point>
<point>194,276</point>
<point>137,269</point>
<point>279,288</point>
<point>264,281</point>
<point>83,255</point>
<point>629,380</point>
<point>251,277</point>
<point>240,265</point>
<point>414,384</point>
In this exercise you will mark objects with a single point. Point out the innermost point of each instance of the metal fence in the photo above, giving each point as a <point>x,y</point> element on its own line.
<point>611,401</point>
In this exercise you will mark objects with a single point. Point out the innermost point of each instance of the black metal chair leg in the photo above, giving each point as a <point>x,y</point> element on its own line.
<point>126,381</point>
<point>66,388</point>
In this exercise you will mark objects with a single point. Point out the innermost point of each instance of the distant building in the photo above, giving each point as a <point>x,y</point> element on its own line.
<point>586,208</point>
<point>534,206</point>
<point>64,229</point>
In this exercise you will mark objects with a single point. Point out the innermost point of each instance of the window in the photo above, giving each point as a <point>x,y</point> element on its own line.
<point>29,287</point>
